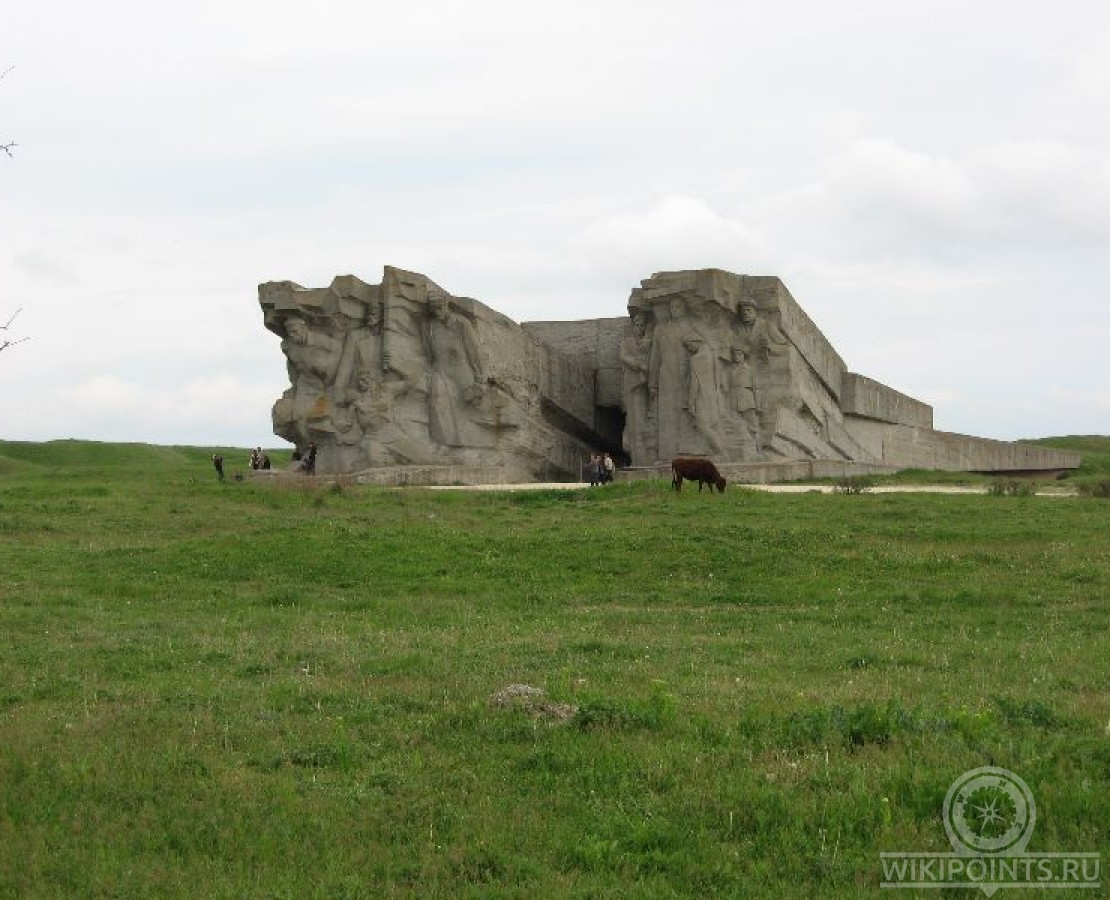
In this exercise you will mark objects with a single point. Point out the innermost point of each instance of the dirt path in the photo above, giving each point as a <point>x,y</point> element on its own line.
<point>770,488</point>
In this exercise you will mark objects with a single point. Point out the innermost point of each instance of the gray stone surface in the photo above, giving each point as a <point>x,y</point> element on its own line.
<point>768,472</point>
<point>910,447</point>
<point>404,374</point>
<point>408,384</point>
<point>863,397</point>
<point>736,371</point>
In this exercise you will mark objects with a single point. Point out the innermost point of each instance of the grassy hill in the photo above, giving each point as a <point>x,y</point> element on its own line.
<point>245,689</point>
<point>1095,450</point>
<point>122,460</point>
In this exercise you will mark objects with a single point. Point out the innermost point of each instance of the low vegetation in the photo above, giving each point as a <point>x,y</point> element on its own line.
<point>252,689</point>
<point>853,484</point>
<point>1094,450</point>
<point>1012,487</point>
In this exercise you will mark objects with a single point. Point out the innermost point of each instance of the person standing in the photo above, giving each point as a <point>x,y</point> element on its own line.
<point>608,467</point>
<point>593,470</point>
<point>218,464</point>
<point>310,460</point>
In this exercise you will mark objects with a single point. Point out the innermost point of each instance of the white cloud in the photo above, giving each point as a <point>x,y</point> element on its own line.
<point>1041,195</point>
<point>932,182</point>
<point>676,232</point>
<point>1095,403</point>
<point>109,407</point>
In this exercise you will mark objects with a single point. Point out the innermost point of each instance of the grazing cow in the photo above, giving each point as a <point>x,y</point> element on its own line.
<point>700,470</point>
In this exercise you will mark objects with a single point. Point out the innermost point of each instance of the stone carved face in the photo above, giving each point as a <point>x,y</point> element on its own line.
<point>747,313</point>
<point>438,304</point>
<point>297,330</point>
<point>639,324</point>
<point>678,308</point>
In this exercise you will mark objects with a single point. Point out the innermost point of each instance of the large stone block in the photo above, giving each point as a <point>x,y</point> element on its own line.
<point>403,377</point>
<point>911,447</point>
<point>860,396</point>
<point>593,343</point>
<point>728,366</point>
<point>404,374</point>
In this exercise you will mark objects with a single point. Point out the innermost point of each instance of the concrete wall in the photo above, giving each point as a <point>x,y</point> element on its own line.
<point>593,343</point>
<point>864,397</point>
<point>769,292</point>
<point>553,391</point>
<point>770,472</point>
<point>910,447</point>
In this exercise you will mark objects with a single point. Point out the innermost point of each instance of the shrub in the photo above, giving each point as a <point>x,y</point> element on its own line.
<point>1099,488</point>
<point>1012,487</point>
<point>853,484</point>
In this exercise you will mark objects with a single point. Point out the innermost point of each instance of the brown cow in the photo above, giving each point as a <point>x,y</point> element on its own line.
<point>696,469</point>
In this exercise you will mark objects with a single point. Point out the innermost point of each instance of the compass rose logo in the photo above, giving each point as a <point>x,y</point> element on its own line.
<point>989,814</point>
<point>989,811</point>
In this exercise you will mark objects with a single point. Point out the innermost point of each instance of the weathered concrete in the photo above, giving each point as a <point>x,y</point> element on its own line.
<point>424,476</point>
<point>768,473</point>
<point>863,397</point>
<point>770,293</point>
<point>592,344</point>
<point>404,374</point>
<point>409,384</point>
<point>910,447</point>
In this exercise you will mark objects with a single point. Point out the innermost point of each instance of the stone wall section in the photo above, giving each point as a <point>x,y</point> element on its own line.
<point>403,376</point>
<point>868,399</point>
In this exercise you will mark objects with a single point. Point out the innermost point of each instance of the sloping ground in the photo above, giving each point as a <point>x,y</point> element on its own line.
<point>76,456</point>
<point>94,454</point>
<point>1095,450</point>
<point>233,690</point>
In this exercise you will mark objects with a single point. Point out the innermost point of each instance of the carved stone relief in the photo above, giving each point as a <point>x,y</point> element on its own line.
<point>715,368</point>
<point>639,417</point>
<point>709,363</point>
<point>396,374</point>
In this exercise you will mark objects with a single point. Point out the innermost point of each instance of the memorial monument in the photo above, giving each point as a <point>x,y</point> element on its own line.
<point>402,382</point>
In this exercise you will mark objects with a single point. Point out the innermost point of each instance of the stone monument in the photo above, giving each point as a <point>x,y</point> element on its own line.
<point>403,382</point>
<point>403,375</point>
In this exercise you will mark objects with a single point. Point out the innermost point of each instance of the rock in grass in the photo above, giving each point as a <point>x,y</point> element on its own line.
<point>532,700</point>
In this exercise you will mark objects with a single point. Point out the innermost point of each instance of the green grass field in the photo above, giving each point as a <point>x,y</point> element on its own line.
<point>244,689</point>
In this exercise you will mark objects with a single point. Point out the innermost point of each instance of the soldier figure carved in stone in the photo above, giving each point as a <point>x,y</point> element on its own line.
<point>456,382</point>
<point>312,358</point>
<point>637,409</point>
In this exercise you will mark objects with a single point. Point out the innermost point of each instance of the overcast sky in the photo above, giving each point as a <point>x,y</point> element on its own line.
<point>930,179</point>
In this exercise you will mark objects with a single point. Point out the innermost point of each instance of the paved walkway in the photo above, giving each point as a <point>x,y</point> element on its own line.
<point>770,488</point>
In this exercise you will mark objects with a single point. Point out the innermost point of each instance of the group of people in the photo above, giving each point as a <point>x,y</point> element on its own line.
<point>259,459</point>
<point>306,462</point>
<point>600,468</point>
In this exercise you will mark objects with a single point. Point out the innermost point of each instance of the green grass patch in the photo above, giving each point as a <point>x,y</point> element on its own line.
<point>250,689</point>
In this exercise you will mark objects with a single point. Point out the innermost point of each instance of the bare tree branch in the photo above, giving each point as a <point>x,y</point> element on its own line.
<point>7,148</point>
<point>5,343</point>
